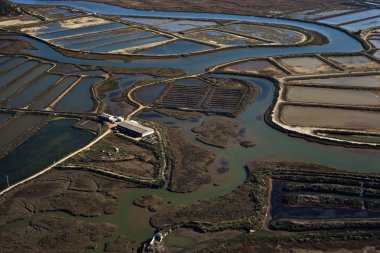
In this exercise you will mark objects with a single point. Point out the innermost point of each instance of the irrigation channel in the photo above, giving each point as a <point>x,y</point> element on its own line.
<point>270,143</point>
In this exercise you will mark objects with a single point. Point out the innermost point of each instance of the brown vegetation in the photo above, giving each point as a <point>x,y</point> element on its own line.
<point>74,192</point>
<point>120,155</point>
<point>178,114</point>
<point>122,245</point>
<point>152,202</point>
<point>190,163</point>
<point>53,234</point>
<point>217,132</point>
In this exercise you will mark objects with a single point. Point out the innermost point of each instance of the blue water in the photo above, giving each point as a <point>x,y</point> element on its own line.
<point>127,44</point>
<point>82,30</point>
<point>33,91</point>
<point>339,41</point>
<point>24,80</point>
<point>104,40</point>
<point>176,47</point>
<point>16,72</point>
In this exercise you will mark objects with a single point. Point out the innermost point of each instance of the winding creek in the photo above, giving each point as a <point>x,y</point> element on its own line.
<point>271,144</point>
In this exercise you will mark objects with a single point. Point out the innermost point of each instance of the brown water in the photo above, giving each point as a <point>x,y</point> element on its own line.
<point>331,96</point>
<point>372,81</point>
<point>330,118</point>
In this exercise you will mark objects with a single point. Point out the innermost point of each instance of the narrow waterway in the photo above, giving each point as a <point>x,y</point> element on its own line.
<point>270,143</point>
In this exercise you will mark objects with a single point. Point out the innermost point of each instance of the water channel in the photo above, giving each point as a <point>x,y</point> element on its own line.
<point>271,144</point>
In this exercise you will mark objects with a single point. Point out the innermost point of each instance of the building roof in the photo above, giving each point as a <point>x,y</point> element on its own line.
<point>135,126</point>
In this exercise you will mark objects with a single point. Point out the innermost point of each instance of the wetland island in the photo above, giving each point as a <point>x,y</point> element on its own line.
<point>189,126</point>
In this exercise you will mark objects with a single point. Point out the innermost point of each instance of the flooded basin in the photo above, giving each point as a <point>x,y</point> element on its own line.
<point>25,80</point>
<point>320,13</point>
<point>306,65</point>
<point>4,117</point>
<point>80,98</point>
<point>149,94</point>
<point>17,127</point>
<point>53,146</point>
<point>372,81</point>
<point>53,94</point>
<point>36,89</point>
<point>332,96</point>
<point>309,116</point>
<point>260,67</point>
<point>105,41</point>
<point>68,24</point>
<point>362,25</point>
<point>11,63</point>
<point>352,137</point>
<point>122,47</point>
<point>355,62</point>
<point>82,30</point>
<point>176,47</point>
<point>16,72</point>
<point>350,17</point>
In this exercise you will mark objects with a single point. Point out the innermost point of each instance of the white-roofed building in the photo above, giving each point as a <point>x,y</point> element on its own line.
<point>133,128</point>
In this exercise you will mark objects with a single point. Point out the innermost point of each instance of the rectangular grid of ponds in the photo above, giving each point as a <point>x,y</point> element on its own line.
<point>54,93</point>
<point>26,79</point>
<point>106,41</point>
<point>103,38</point>
<point>34,90</point>
<point>184,95</point>
<point>351,17</point>
<point>82,30</point>
<point>90,37</point>
<point>364,24</point>
<point>16,72</point>
<point>128,44</point>
<point>224,99</point>
<point>11,63</point>
<point>176,47</point>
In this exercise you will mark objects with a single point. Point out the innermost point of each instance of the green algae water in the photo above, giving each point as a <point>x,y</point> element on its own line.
<point>52,142</point>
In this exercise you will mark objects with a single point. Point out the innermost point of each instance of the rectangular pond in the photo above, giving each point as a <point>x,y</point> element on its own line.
<point>122,45</point>
<point>18,127</point>
<point>80,98</point>
<point>51,143</point>
<point>25,80</point>
<point>332,96</point>
<point>37,88</point>
<point>330,117</point>
<point>53,94</point>
<point>176,47</point>
<point>372,81</point>
<point>364,24</point>
<point>12,62</point>
<point>351,17</point>
<point>103,41</point>
<point>16,72</point>
<point>83,30</point>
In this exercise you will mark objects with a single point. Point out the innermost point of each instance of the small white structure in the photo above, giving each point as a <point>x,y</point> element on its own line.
<point>135,129</point>
<point>111,118</point>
